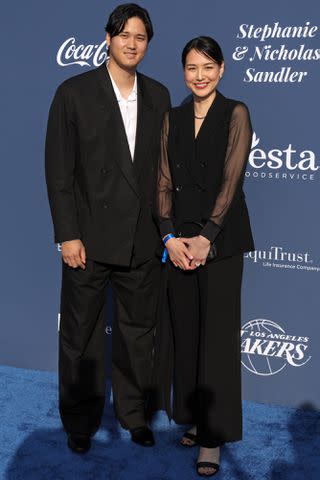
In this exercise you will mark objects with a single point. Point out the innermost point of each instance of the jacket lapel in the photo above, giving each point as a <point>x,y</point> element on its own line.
<point>208,137</point>
<point>116,135</point>
<point>203,147</point>
<point>186,137</point>
<point>214,117</point>
<point>144,127</point>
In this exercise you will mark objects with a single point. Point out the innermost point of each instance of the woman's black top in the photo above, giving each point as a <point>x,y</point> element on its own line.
<point>200,179</point>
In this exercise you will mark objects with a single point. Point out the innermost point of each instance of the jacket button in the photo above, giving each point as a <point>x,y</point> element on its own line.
<point>105,171</point>
<point>106,205</point>
<point>178,188</point>
<point>178,165</point>
<point>203,164</point>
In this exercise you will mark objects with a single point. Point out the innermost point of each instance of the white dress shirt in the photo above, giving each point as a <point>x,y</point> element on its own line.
<point>129,111</point>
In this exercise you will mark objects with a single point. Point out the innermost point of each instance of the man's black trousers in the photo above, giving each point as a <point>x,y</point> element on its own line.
<point>82,356</point>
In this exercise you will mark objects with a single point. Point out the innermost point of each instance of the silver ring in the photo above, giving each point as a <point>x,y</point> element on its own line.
<point>197,264</point>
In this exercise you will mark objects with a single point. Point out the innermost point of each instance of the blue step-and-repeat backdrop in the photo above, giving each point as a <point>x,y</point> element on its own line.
<point>272,53</point>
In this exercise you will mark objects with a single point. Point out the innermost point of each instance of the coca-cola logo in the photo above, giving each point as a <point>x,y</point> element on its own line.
<point>70,53</point>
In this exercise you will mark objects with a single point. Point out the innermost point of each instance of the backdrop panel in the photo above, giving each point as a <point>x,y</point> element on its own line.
<point>272,64</point>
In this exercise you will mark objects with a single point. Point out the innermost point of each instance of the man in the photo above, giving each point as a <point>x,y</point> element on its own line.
<point>102,149</point>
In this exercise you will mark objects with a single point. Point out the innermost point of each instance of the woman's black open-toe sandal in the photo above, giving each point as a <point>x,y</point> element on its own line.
<point>189,436</point>
<point>213,466</point>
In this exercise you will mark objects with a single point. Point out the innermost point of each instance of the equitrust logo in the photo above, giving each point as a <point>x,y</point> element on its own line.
<point>281,162</point>
<point>267,349</point>
<point>278,257</point>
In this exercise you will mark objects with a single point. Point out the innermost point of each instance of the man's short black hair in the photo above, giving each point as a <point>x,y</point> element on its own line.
<point>121,15</point>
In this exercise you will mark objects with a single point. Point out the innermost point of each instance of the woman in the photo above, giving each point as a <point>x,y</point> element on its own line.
<point>202,211</point>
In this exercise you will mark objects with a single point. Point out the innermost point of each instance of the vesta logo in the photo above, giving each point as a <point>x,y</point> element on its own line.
<point>72,54</point>
<point>288,157</point>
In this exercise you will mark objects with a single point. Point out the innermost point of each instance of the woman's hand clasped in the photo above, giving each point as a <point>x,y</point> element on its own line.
<point>188,253</point>
<point>179,254</point>
<point>198,247</point>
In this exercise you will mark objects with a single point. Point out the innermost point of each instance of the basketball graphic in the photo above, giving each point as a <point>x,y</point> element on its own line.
<point>266,350</point>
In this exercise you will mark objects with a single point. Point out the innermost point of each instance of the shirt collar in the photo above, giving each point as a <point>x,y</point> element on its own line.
<point>133,95</point>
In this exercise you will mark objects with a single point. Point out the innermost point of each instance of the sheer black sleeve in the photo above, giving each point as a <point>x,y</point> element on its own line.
<point>165,183</point>
<point>239,143</point>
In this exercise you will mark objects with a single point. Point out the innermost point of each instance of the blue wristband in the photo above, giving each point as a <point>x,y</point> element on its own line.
<point>165,251</point>
<point>164,256</point>
<point>168,237</point>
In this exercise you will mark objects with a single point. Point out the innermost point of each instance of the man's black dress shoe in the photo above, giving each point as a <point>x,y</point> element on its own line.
<point>79,443</point>
<point>143,436</point>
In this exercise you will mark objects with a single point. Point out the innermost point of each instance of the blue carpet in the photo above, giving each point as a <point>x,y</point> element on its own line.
<point>279,443</point>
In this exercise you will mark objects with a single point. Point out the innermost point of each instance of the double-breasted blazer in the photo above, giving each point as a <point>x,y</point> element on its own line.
<point>201,179</point>
<point>96,192</point>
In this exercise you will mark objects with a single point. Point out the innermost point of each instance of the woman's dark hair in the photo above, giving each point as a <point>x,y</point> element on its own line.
<point>206,45</point>
<point>121,15</point>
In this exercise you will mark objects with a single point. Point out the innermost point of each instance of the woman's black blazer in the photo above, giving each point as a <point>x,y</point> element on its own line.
<point>201,179</point>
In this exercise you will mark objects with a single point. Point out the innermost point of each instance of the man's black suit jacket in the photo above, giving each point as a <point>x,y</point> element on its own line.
<point>96,193</point>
